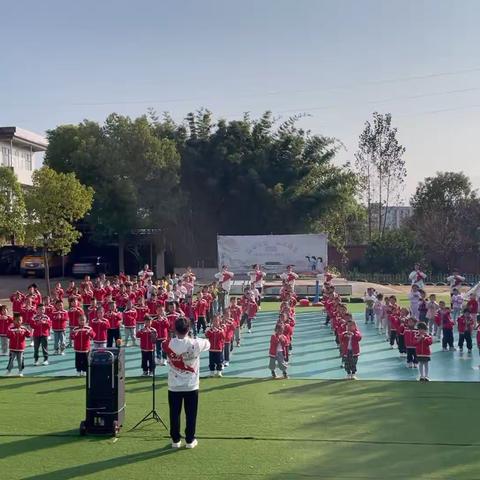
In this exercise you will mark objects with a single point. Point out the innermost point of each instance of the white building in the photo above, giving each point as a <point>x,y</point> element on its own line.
<point>395,216</point>
<point>17,150</point>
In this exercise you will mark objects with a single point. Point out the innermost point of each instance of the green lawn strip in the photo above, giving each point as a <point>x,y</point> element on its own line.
<point>252,428</point>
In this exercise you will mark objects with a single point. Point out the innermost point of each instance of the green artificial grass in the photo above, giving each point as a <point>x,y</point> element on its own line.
<point>250,429</point>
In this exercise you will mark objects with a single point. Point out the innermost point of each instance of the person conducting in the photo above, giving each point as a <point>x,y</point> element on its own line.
<point>183,353</point>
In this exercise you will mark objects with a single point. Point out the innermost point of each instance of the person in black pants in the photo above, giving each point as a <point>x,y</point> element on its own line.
<point>183,353</point>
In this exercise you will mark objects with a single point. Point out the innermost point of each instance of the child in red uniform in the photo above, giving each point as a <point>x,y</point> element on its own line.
<point>100,326</point>
<point>172,316</point>
<point>147,336</point>
<point>142,310</point>
<point>59,326</point>
<point>200,307</point>
<point>82,336</point>
<point>229,328</point>
<point>446,323</point>
<point>235,313</point>
<point>251,309</point>
<point>17,299</point>
<point>350,344</point>
<point>162,326</point>
<point>465,325</point>
<point>394,323</point>
<point>74,313</point>
<point>130,323</point>
<point>472,306</point>
<point>410,343</point>
<point>277,352</point>
<point>115,321</point>
<point>6,322</point>
<point>216,336</point>
<point>16,336</point>
<point>41,325</point>
<point>423,341</point>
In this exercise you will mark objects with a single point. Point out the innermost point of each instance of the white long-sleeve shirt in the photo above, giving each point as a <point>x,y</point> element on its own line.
<point>184,363</point>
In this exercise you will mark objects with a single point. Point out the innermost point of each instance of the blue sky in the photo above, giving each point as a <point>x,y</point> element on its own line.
<point>336,60</point>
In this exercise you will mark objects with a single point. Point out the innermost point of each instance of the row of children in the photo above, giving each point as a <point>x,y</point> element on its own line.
<point>281,341</point>
<point>412,338</point>
<point>438,317</point>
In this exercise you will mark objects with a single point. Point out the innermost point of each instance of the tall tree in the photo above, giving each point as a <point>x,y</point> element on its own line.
<point>133,171</point>
<point>55,202</point>
<point>12,206</point>
<point>381,167</point>
<point>446,215</point>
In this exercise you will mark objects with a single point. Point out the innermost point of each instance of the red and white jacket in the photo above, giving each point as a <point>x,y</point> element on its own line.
<point>172,318</point>
<point>100,328</point>
<point>114,319</point>
<point>82,337</point>
<point>464,325</point>
<point>17,338</point>
<point>59,320</point>
<point>200,308</point>
<point>162,326</point>
<point>229,329</point>
<point>73,315</point>
<point>410,336</point>
<point>130,318</point>
<point>147,336</point>
<point>355,345</point>
<point>6,322</point>
<point>275,341</point>
<point>216,337</point>
<point>251,309</point>
<point>41,326</point>
<point>17,300</point>
<point>142,310</point>
<point>422,345</point>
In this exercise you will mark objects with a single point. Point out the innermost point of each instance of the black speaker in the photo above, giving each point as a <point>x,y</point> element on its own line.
<point>105,392</point>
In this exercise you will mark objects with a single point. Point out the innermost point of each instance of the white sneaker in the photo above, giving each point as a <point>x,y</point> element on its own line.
<point>249,330</point>
<point>36,364</point>
<point>212,374</point>
<point>79,374</point>
<point>177,444</point>
<point>226,364</point>
<point>353,377</point>
<point>20,374</point>
<point>348,377</point>
<point>45,362</point>
<point>8,373</point>
<point>219,373</point>
<point>192,445</point>
<point>62,353</point>
<point>158,361</point>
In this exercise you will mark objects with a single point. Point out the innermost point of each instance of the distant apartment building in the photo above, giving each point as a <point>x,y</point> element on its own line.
<point>18,149</point>
<point>395,216</point>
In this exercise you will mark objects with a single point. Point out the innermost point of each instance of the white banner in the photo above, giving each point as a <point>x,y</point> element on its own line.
<point>307,253</point>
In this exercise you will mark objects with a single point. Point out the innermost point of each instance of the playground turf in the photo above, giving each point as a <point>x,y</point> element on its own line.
<point>250,428</point>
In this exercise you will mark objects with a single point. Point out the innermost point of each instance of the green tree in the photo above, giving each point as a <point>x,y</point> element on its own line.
<point>12,206</point>
<point>446,215</point>
<point>393,252</point>
<point>256,177</point>
<point>55,202</point>
<point>133,171</point>
<point>381,169</point>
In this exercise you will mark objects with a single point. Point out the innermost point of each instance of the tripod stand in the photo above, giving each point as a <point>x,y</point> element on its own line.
<point>152,414</point>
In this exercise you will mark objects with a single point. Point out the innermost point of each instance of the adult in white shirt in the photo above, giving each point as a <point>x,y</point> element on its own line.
<point>289,276</point>
<point>455,281</point>
<point>257,277</point>
<point>145,274</point>
<point>225,280</point>
<point>417,277</point>
<point>183,354</point>
<point>180,291</point>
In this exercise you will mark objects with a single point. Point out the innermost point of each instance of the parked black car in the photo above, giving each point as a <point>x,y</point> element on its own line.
<point>91,265</point>
<point>10,258</point>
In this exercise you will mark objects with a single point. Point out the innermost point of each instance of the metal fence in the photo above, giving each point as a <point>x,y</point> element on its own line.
<point>402,278</point>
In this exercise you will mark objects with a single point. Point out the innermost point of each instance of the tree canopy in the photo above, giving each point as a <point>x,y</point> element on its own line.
<point>12,206</point>
<point>200,178</point>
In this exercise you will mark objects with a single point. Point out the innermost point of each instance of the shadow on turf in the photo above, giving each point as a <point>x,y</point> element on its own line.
<point>96,467</point>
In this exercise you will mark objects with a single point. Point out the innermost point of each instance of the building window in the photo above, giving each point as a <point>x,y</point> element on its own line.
<point>6,157</point>
<point>27,160</point>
